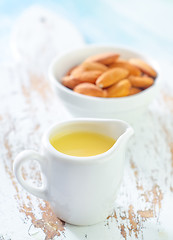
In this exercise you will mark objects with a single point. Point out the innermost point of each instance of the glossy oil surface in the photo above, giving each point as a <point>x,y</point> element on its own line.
<point>82,144</point>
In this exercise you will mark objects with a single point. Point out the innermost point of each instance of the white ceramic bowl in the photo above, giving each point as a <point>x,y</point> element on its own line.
<point>125,108</point>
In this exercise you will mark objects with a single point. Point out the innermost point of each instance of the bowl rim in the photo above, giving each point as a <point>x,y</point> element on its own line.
<point>101,99</point>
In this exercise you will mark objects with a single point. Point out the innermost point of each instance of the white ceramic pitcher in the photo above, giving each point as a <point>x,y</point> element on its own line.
<point>81,190</point>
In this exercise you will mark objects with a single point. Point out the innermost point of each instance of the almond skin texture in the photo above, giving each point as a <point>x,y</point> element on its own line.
<point>111,77</point>
<point>94,66</point>
<point>143,66</point>
<point>85,76</point>
<point>141,82</point>
<point>70,81</point>
<point>120,89</point>
<point>133,70</point>
<point>90,90</point>
<point>104,58</point>
<point>134,90</point>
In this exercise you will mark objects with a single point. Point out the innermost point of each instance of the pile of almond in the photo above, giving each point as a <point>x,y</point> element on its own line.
<point>107,75</point>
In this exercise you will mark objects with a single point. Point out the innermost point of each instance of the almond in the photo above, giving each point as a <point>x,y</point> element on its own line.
<point>77,71</point>
<point>120,89</point>
<point>134,90</point>
<point>70,71</point>
<point>90,90</point>
<point>133,70</point>
<point>70,81</point>
<point>104,58</point>
<point>90,66</point>
<point>111,76</point>
<point>143,66</point>
<point>85,76</point>
<point>141,82</point>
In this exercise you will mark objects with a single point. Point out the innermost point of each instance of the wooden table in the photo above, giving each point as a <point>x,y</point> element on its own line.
<point>144,206</point>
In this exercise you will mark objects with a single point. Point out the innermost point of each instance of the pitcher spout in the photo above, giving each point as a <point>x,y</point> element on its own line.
<point>122,131</point>
<point>127,133</point>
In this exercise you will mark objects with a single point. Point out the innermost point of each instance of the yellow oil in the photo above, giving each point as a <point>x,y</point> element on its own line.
<point>82,144</point>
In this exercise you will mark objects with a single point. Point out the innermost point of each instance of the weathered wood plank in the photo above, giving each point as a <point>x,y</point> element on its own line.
<point>148,172</point>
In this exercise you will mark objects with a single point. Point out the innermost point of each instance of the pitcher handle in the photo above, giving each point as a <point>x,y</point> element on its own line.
<point>41,192</point>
